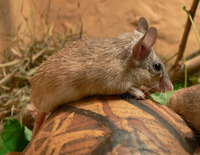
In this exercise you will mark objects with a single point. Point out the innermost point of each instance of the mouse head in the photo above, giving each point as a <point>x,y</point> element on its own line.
<point>150,66</point>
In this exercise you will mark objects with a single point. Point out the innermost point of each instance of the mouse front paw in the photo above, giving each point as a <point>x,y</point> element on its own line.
<point>137,93</point>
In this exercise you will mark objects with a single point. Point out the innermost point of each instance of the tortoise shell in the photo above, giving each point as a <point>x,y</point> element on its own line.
<point>113,125</point>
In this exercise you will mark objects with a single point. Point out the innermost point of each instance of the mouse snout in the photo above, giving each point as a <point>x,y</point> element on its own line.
<point>166,85</point>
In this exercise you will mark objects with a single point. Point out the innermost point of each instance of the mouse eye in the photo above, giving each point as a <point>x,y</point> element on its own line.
<point>157,67</point>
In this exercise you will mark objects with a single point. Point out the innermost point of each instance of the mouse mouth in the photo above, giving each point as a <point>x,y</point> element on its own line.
<point>155,90</point>
<point>147,89</point>
<point>150,88</point>
<point>164,85</point>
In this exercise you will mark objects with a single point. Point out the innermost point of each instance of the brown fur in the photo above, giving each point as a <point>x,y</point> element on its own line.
<point>93,66</point>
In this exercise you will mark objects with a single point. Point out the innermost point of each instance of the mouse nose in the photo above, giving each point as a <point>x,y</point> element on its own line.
<point>166,85</point>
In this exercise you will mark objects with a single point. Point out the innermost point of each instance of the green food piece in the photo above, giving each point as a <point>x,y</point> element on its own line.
<point>164,97</point>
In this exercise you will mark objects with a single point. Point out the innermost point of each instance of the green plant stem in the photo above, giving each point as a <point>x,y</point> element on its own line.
<point>167,60</point>
<point>192,22</point>
<point>21,116</point>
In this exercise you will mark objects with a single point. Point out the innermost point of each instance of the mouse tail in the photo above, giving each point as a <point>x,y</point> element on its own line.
<point>38,122</point>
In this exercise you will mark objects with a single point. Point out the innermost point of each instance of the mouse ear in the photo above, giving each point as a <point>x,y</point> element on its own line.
<point>142,25</point>
<point>142,48</point>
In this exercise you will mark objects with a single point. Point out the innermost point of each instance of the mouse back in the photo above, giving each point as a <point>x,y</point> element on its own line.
<point>93,66</point>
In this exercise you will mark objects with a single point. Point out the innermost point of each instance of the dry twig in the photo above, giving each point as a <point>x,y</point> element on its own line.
<point>186,32</point>
<point>177,67</point>
<point>193,65</point>
<point>15,73</point>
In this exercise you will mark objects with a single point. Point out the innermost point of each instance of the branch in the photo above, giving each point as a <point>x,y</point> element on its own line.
<point>192,55</point>
<point>8,77</point>
<point>192,66</point>
<point>186,32</point>
<point>182,45</point>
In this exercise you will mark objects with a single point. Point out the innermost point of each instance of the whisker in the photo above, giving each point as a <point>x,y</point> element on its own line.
<point>148,89</point>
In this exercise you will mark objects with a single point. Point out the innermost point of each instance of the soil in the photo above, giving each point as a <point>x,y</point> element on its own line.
<point>105,18</point>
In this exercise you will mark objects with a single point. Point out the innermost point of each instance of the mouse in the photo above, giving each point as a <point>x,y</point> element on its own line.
<point>186,103</point>
<point>100,66</point>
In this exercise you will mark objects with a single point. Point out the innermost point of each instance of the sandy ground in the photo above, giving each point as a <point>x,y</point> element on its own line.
<point>108,18</point>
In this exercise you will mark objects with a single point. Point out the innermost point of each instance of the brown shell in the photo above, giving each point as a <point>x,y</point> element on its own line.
<point>113,125</point>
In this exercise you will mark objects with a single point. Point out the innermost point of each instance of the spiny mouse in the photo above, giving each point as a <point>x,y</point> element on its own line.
<point>93,66</point>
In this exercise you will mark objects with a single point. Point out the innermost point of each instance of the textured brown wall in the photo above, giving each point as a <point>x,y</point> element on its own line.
<point>101,18</point>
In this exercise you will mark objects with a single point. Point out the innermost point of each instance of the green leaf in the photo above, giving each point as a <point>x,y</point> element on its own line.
<point>194,80</point>
<point>162,97</point>
<point>178,86</point>
<point>28,133</point>
<point>14,137</point>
